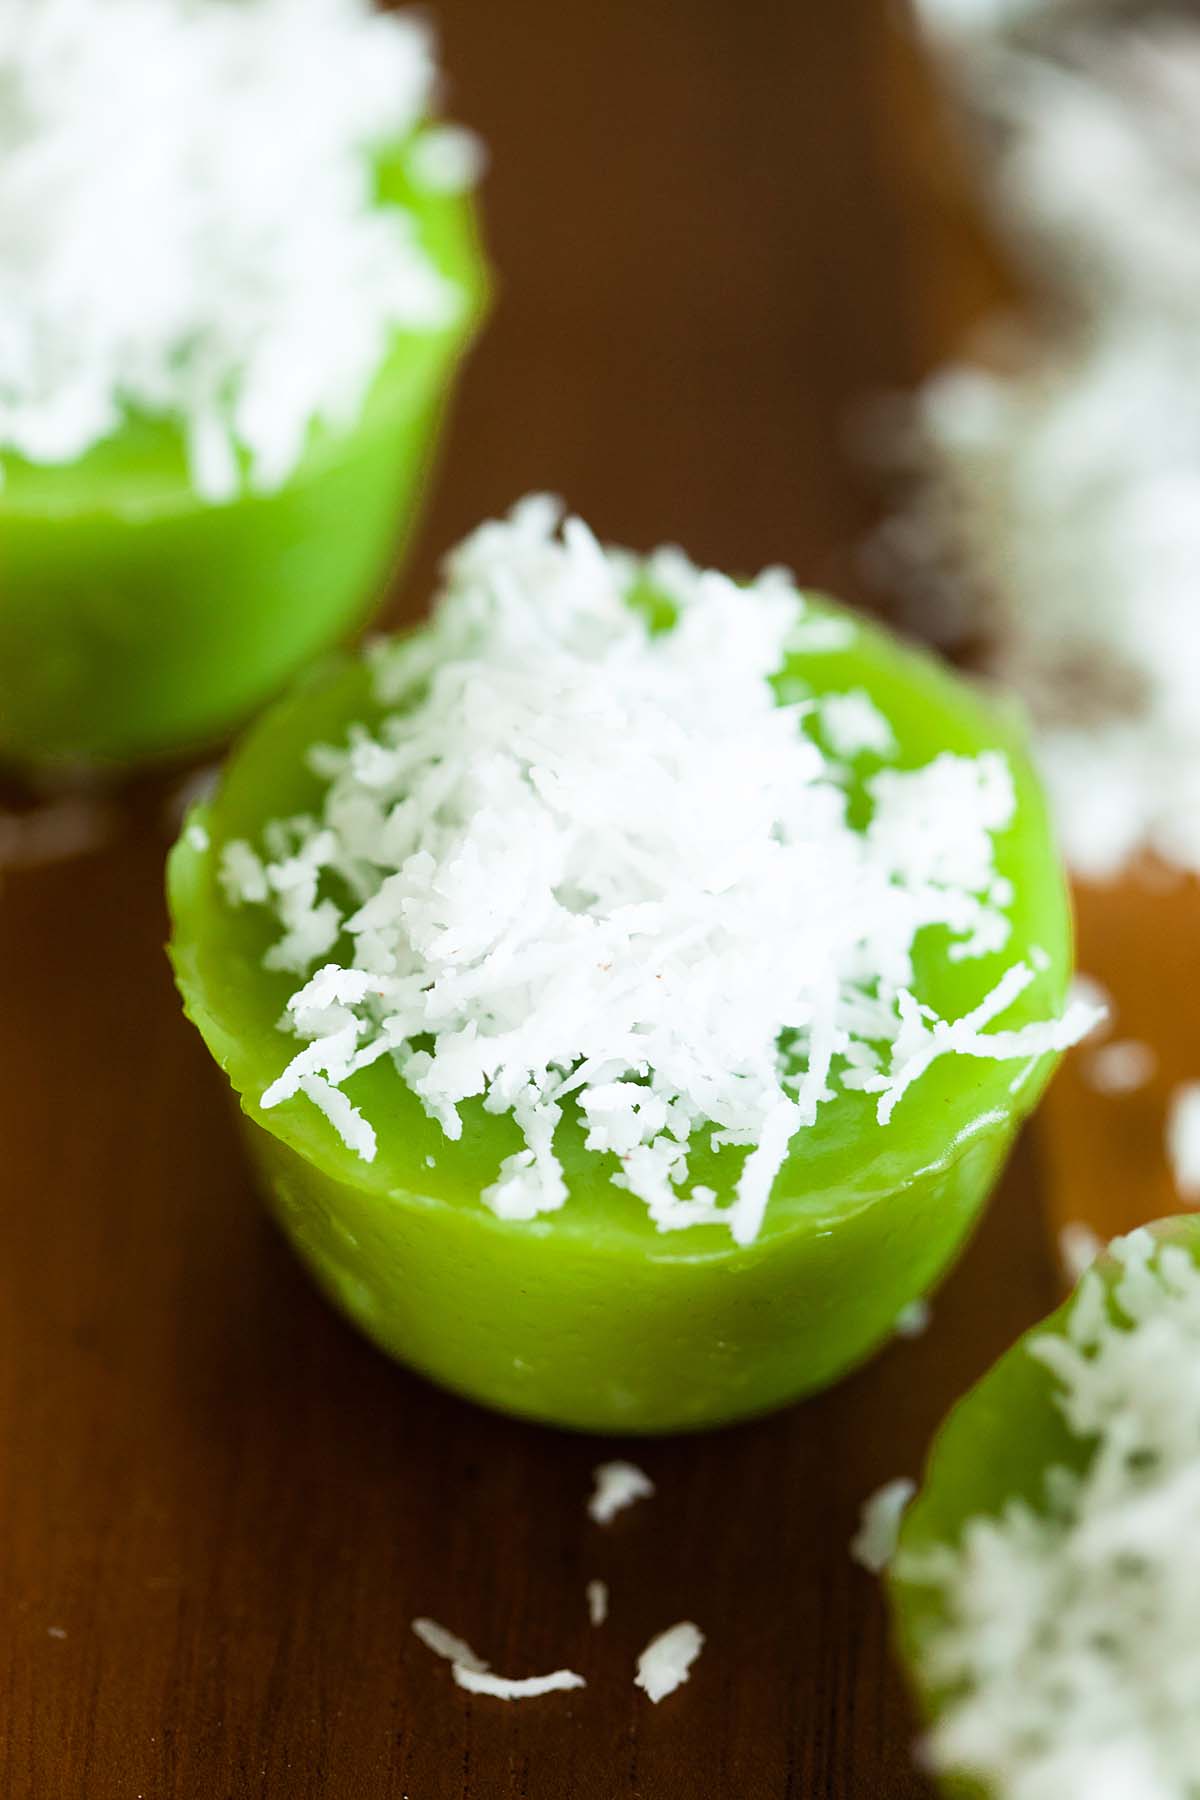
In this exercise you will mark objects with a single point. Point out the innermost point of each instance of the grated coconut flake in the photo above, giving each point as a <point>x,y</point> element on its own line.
<point>445,1644</point>
<point>1085,990</point>
<point>523,1687</point>
<point>474,1674</point>
<point>874,1544</point>
<point>666,1662</point>
<point>1120,1067</point>
<point>583,862</point>
<point>618,1485</point>
<point>1078,1248</point>
<point>1072,1629</point>
<point>913,1320</point>
<point>597,1602</point>
<point>1054,506</point>
<point>1183,1141</point>
<point>189,226</point>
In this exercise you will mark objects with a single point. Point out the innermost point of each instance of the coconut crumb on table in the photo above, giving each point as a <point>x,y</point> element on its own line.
<point>666,1662</point>
<point>1183,1141</point>
<point>617,1486</point>
<point>1120,1067</point>
<point>597,1601</point>
<point>912,1321</point>
<point>472,1672</point>
<point>446,1644</point>
<point>874,1543</point>
<point>524,1687</point>
<point>1078,1248</point>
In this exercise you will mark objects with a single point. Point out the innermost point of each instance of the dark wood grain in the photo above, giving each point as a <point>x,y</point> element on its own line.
<point>219,1509</point>
<point>1105,1155</point>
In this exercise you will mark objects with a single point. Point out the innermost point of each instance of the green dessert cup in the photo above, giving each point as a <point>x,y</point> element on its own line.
<point>1006,1453</point>
<point>590,1317</point>
<point>138,619</point>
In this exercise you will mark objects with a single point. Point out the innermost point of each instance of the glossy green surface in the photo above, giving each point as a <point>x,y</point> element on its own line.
<point>590,1317</point>
<point>996,1446</point>
<point>137,619</point>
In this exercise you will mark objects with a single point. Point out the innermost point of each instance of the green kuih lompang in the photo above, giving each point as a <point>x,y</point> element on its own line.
<point>241,268</point>
<point>632,980</point>
<point>1046,1586</point>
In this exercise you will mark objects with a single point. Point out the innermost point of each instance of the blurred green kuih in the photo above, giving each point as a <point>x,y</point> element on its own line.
<point>1044,1591</point>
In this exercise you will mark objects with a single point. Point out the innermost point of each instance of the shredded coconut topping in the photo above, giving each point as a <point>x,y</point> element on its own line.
<point>1072,1629</point>
<point>666,1662</point>
<point>1086,113</point>
<point>1055,506</point>
<point>1053,510</point>
<point>1087,991</point>
<point>189,225</point>
<point>586,862</point>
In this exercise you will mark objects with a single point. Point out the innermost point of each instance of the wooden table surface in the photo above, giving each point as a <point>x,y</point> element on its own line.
<point>219,1509</point>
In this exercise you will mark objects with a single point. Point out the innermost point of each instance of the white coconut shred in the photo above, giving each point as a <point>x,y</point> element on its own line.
<point>874,1543</point>
<point>1072,1629</point>
<point>617,1486</point>
<point>666,1662</point>
<point>596,1593</point>
<point>189,226</point>
<point>1183,1141</point>
<point>472,1672</point>
<point>586,862</point>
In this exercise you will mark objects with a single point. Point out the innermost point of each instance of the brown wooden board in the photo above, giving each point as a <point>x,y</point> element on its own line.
<point>219,1509</point>
<point>1106,1160</point>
